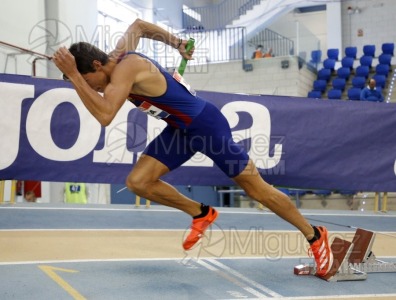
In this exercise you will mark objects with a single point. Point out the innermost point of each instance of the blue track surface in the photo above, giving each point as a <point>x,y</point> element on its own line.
<point>206,278</point>
<point>126,217</point>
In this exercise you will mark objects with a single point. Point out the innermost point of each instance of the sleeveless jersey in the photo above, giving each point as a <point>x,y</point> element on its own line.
<point>75,193</point>
<point>178,106</point>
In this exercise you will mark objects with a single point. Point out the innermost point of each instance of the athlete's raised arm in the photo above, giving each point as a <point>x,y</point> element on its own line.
<point>142,29</point>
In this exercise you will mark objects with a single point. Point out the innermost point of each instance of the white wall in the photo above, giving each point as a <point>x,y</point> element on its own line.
<point>334,25</point>
<point>18,21</point>
<point>80,17</point>
<point>376,19</point>
<point>266,78</point>
<point>172,15</point>
<point>311,27</point>
<point>28,23</point>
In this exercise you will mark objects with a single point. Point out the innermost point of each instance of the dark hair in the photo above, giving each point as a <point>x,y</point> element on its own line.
<point>84,54</point>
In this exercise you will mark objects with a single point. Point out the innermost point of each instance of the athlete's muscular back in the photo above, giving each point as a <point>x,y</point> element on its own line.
<point>149,81</point>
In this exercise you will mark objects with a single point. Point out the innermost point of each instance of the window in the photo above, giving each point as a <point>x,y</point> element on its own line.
<point>114,17</point>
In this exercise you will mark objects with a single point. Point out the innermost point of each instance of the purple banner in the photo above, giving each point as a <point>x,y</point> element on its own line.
<point>47,134</point>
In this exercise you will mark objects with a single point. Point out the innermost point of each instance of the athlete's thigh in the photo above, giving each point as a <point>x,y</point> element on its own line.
<point>212,136</point>
<point>170,147</point>
<point>148,168</point>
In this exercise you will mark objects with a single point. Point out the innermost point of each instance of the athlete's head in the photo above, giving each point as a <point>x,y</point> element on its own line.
<point>90,61</point>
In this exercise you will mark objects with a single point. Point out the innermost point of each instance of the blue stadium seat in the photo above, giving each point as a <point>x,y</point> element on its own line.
<point>369,50</point>
<point>339,83</point>
<point>315,94</point>
<point>284,191</point>
<point>362,71</point>
<point>324,74</point>
<point>351,52</point>
<point>322,193</point>
<point>358,82</point>
<point>347,62</point>
<point>388,48</point>
<point>380,80</point>
<point>329,63</point>
<point>319,85</point>
<point>334,94</point>
<point>333,53</point>
<point>316,57</point>
<point>382,69</point>
<point>385,59</point>
<point>354,93</point>
<point>366,60</point>
<point>296,192</point>
<point>344,73</point>
<point>347,192</point>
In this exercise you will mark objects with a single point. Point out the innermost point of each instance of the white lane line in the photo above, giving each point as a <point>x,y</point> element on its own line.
<point>244,278</point>
<point>92,229</point>
<point>391,234</point>
<point>89,260</point>
<point>231,279</point>
<point>34,262</point>
<point>356,296</point>
<point>92,209</point>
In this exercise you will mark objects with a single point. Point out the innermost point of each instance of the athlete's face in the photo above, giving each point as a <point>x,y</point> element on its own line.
<point>97,80</point>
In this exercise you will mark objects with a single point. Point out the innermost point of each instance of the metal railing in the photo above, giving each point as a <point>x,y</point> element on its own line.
<point>21,50</point>
<point>219,45</point>
<point>211,46</point>
<point>229,44</point>
<point>216,16</point>
<point>280,45</point>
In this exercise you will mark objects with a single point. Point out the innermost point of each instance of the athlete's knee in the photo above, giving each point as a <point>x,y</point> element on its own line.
<point>136,183</point>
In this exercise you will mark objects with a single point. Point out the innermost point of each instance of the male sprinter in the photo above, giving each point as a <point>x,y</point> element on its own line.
<point>194,125</point>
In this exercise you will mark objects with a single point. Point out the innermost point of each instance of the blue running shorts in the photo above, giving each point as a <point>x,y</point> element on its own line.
<point>210,134</point>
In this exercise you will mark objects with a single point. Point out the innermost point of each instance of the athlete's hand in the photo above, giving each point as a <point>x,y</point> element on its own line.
<point>183,52</point>
<point>65,62</point>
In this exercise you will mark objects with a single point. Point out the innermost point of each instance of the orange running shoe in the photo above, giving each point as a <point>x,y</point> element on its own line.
<point>321,251</point>
<point>198,228</point>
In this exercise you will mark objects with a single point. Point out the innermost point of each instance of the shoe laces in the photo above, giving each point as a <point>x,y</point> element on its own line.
<point>310,252</point>
<point>312,249</point>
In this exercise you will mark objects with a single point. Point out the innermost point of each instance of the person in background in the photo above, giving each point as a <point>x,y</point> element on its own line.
<point>30,196</point>
<point>258,53</point>
<point>268,53</point>
<point>76,192</point>
<point>370,92</point>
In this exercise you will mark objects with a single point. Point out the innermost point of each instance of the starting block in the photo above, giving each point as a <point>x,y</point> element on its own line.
<point>352,260</point>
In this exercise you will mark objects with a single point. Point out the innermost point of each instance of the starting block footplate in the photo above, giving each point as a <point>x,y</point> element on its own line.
<point>352,260</point>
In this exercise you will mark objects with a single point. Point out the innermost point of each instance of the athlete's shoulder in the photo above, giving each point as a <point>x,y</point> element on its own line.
<point>133,60</point>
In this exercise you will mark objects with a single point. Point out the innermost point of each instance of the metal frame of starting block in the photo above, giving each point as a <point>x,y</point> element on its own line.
<point>352,260</point>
